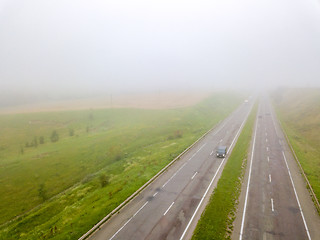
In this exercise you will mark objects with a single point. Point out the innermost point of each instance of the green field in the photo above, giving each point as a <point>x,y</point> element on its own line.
<point>60,189</point>
<point>216,221</point>
<point>299,113</point>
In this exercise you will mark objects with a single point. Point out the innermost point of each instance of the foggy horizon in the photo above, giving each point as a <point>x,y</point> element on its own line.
<point>69,49</point>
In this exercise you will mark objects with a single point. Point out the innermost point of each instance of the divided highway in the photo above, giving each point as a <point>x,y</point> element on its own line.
<point>274,202</point>
<point>170,206</point>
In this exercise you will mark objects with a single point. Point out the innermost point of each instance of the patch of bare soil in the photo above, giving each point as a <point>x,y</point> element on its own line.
<point>163,100</point>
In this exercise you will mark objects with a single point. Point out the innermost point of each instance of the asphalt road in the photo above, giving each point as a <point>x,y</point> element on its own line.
<point>274,202</point>
<point>170,206</point>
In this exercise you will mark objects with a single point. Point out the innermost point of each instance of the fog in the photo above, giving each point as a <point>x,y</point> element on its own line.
<point>71,48</point>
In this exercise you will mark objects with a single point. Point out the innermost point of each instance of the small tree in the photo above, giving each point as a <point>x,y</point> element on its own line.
<point>178,134</point>
<point>35,142</point>
<point>42,192</point>
<point>21,150</point>
<point>41,140</point>
<point>104,180</point>
<point>71,132</point>
<point>91,116</point>
<point>115,152</point>
<point>54,136</point>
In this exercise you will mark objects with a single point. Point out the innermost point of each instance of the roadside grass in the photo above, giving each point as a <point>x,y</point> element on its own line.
<point>299,113</point>
<point>69,185</point>
<point>216,221</point>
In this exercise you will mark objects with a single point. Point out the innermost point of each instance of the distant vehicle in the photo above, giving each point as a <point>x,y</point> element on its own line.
<point>246,101</point>
<point>222,151</point>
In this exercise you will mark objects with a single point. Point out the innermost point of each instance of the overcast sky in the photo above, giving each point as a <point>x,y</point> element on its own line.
<point>94,46</point>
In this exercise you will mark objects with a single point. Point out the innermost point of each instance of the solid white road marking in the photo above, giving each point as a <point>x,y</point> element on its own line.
<point>294,189</point>
<point>194,175</point>
<point>269,178</point>
<point>237,134</point>
<point>184,165</point>
<point>272,207</point>
<point>170,179</point>
<point>247,191</point>
<point>195,212</point>
<point>168,209</point>
<point>185,231</point>
<point>295,193</point>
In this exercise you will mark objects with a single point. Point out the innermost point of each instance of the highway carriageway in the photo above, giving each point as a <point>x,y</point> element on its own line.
<point>170,206</point>
<point>274,201</point>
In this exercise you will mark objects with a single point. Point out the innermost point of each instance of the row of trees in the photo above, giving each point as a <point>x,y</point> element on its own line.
<point>35,142</point>
<point>54,137</point>
<point>176,134</point>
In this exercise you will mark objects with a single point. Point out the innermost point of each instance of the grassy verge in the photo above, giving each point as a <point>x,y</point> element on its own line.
<point>217,219</point>
<point>72,183</point>
<point>299,113</point>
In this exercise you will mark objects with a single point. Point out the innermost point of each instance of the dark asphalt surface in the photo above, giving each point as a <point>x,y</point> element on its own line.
<point>164,209</point>
<point>276,203</point>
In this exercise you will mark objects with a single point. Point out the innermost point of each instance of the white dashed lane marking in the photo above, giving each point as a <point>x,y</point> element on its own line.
<point>272,207</point>
<point>194,175</point>
<point>168,209</point>
<point>270,178</point>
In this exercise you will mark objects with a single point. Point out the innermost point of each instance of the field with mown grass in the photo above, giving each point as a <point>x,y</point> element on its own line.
<point>62,172</point>
<point>299,113</point>
<point>216,221</point>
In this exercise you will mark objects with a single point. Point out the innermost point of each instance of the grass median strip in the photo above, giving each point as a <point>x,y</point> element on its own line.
<point>217,219</point>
